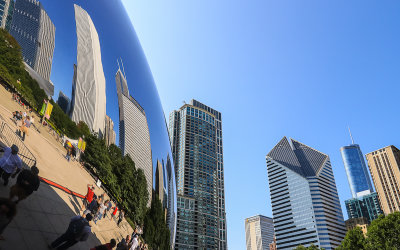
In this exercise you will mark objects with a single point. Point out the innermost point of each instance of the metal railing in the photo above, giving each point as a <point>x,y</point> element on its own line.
<point>8,137</point>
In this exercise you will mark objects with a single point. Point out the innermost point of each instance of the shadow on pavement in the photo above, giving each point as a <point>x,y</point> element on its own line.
<point>40,219</point>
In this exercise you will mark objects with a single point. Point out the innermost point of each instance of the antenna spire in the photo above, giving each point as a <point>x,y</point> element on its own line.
<point>352,140</point>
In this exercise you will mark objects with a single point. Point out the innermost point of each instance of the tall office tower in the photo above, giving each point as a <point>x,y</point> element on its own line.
<point>305,203</point>
<point>89,85</point>
<point>259,232</point>
<point>35,33</point>
<point>196,141</point>
<point>64,102</point>
<point>109,133</point>
<point>356,169</point>
<point>366,206</point>
<point>134,136</point>
<point>384,165</point>
<point>4,6</point>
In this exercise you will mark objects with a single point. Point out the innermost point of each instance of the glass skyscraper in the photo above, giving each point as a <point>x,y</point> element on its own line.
<point>305,204</point>
<point>366,206</point>
<point>356,169</point>
<point>196,140</point>
<point>259,232</point>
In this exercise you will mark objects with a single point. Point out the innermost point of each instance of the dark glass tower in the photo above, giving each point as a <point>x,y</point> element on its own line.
<point>196,140</point>
<point>366,206</point>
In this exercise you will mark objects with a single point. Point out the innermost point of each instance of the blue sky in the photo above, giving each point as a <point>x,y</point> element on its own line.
<point>302,69</point>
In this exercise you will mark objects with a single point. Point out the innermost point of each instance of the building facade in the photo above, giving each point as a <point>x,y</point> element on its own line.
<point>356,169</point>
<point>35,32</point>
<point>109,133</point>
<point>64,102</point>
<point>89,84</point>
<point>196,140</point>
<point>305,203</point>
<point>134,137</point>
<point>366,206</point>
<point>259,232</point>
<point>357,222</point>
<point>4,8</point>
<point>384,165</point>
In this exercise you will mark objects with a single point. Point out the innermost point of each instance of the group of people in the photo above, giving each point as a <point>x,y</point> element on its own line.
<point>26,122</point>
<point>27,182</point>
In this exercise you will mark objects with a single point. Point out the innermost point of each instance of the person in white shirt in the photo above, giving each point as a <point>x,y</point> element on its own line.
<point>10,163</point>
<point>134,242</point>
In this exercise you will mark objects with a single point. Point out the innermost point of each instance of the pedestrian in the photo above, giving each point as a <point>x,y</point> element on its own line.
<point>107,246</point>
<point>78,230</point>
<point>24,129</point>
<point>68,155</point>
<point>114,212</point>
<point>8,210</point>
<point>134,242</point>
<point>108,207</point>
<point>120,216</point>
<point>124,243</point>
<point>27,182</point>
<point>10,163</point>
<point>88,197</point>
<point>100,212</point>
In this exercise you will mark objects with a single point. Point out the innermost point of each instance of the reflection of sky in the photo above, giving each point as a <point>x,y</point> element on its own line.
<point>117,39</point>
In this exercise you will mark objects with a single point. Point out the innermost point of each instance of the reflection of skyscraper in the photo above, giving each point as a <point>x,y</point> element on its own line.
<point>35,32</point>
<point>4,6</point>
<point>109,133</point>
<point>159,187</point>
<point>171,216</point>
<point>64,102</point>
<point>134,137</point>
<point>384,165</point>
<point>259,232</point>
<point>196,140</point>
<point>305,203</point>
<point>89,85</point>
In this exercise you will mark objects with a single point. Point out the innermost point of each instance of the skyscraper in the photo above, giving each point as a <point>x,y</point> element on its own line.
<point>109,133</point>
<point>259,232</point>
<point>356,169</point>
<point>4,7</point>
<point>64,102</point>
<point>134,136</point>
<point>366,206</point>
<point>305,203</point>
<point>384,165</point>
<point>196,142</point>
<point>35,33</point>
<point>89,84</point>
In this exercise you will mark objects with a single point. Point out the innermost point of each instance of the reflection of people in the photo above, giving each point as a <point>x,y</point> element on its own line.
<point>107,246</point>
<point>7,213</point>
<point>123,244</point>
<point>27,182</point>
<point>10,163</point>
<point>78,230</point>
<point>25,127</point>
<point>88,197</point>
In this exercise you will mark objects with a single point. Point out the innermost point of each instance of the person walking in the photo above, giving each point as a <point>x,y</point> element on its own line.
<point>124,243</point>
<point>93,207</point>
<point>120,216</point>
<point>134,242</point>
<point>108,205</point>
<point>27,182</point>
<point>24,129</point>
<point>114,212</point>
<point>107,246</point>
<point>8,210</point>
<point>78,230</point>
<point>100,212</point>
<point>10,163</point>
<point>88,197</point>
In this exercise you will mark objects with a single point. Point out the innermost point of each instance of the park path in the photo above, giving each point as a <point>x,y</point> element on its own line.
<point>46,213</point>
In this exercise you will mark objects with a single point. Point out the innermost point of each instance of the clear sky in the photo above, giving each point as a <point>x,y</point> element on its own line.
<point>302,69</point>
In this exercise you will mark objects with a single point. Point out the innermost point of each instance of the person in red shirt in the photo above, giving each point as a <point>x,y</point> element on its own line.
<point>88,196</point>
<point>107,246</point>
<point>114,212</point>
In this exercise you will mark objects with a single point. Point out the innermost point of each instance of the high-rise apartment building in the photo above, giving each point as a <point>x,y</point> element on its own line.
<point>35,33</point>
<point>64,102</point>
<point>196,141</point>
<point>366,206</point>
<point>384,165</point>
<point>134,136</point>
<point>356,169</point>
<point>357,222</point>
<point>4,10</point>
<point>109,133</point>
<point>305,203</point>
<point>89,84</point>
<point>259,232</point>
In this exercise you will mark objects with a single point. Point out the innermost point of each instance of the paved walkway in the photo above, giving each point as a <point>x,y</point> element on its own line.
<point>43,216</point>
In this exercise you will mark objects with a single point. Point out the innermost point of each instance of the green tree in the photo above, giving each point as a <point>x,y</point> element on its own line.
<point>83,128</point>
<point>384,232</point>
<point>156,233</point>
<point>354,240</point>
<point>312,247</point>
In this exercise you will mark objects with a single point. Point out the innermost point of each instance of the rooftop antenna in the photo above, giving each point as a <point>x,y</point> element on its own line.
<point>123,67</point>
<point>352,140</point>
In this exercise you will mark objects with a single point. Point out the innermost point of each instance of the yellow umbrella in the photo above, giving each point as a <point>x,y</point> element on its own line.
<point>69,144</point>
